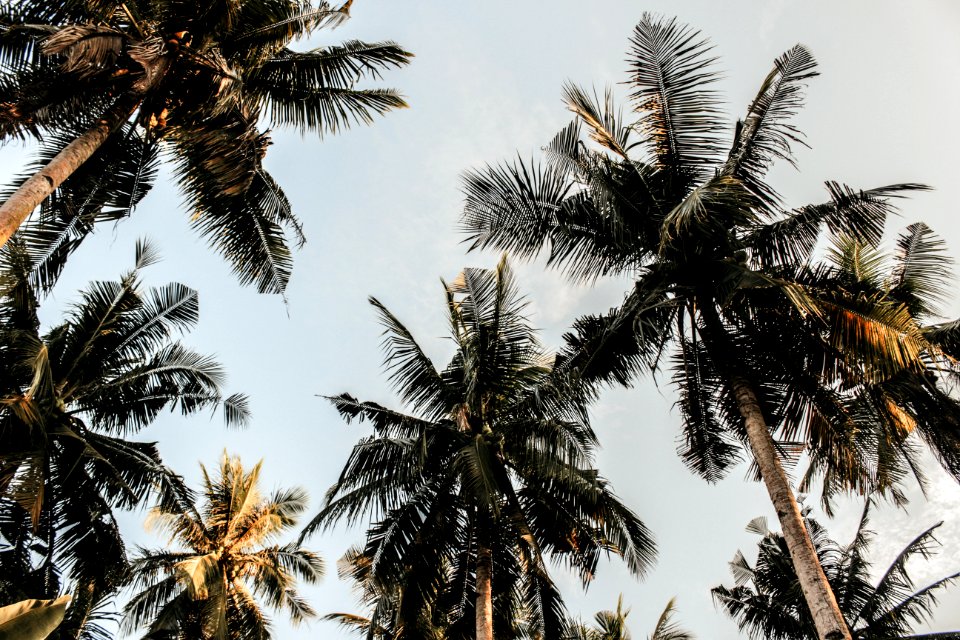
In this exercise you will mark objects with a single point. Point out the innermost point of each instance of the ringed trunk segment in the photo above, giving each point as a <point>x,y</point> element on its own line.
<point>819,596</point>
<point>484,594</point>
<point>40,185</point>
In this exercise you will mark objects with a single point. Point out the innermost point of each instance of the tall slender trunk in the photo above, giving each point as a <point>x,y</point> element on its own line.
<point>816,590</point>
<point>41,184</point>
<point>484,594</point>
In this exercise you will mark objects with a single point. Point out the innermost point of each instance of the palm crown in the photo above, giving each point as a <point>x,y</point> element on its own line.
<point>209,587</point>
<point>198,77</point>
<point>70,399</point>
<point>612,625</point>
<point>488,476</point>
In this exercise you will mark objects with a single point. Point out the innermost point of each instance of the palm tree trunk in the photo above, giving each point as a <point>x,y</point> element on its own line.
<point>816,590</point>
<point>41,184</point>
<point>484,594</point>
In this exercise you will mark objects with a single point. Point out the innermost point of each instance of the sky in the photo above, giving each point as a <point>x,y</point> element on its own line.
<point>380,207</point>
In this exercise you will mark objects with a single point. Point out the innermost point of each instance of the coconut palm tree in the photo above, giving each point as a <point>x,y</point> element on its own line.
<point>226,562</point>
<point>612,625</point>
<point>489,473</point>
<point>721,271</point>
<point>766,602</point>
<point>70,398</point>
<point>111,83</point>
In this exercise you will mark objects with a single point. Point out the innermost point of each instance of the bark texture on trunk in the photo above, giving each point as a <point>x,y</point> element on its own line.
<point>484,594</point>
<point>41,184</point>
<point>816,590</point>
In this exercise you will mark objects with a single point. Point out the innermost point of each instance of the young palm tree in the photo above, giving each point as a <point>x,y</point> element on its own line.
<point>208,588</point>
<point>720,268</point>
<point>612,625</point>
<point>766,603</point>
<point>69,400</point>
<point>487,476</point>
<point>109,81</point>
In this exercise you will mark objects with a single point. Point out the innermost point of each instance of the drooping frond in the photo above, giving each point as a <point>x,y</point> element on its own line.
<point>857,214</point>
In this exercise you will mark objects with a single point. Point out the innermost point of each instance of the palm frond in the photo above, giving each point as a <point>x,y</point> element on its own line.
<point>766,134</point>
<point>921,276</point>
<point>671,73</point>
<point>601,118</point>
<point>411,371</point>
<point>857,214</point>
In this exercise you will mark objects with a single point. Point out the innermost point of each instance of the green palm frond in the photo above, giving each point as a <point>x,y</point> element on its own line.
<point>324,110</point>
<point>413,374</point>
<point>670,73</point>
<point>271,26</point>
<point>720,203</point>
<point>338,66</point>
<point>861,263</point>
<point>707,447</point>
<point>509,206</point>
<point>857,214</point>
<point>920,277</point>
<point>766,134</point>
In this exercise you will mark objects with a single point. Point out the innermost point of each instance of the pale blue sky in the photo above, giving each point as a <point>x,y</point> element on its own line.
<point>380,205</point>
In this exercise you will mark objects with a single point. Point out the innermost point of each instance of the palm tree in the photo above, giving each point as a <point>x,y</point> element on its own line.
<point>209,587</point>
<point>766,602</point>
<point>487,475</point>
<point>107,82</point>
<point>612,625</point>
<point>720,268</point>
<point>69,400</point>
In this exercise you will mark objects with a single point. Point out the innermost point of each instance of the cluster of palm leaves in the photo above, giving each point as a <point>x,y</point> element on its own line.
<point>489,476</point>
<point>110,86</point>
<point>789,333</point>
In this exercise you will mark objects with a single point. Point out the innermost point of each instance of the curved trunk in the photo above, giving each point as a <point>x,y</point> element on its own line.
<point>40,185</point>
<point>484,594</point>
<point>817,592</point>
